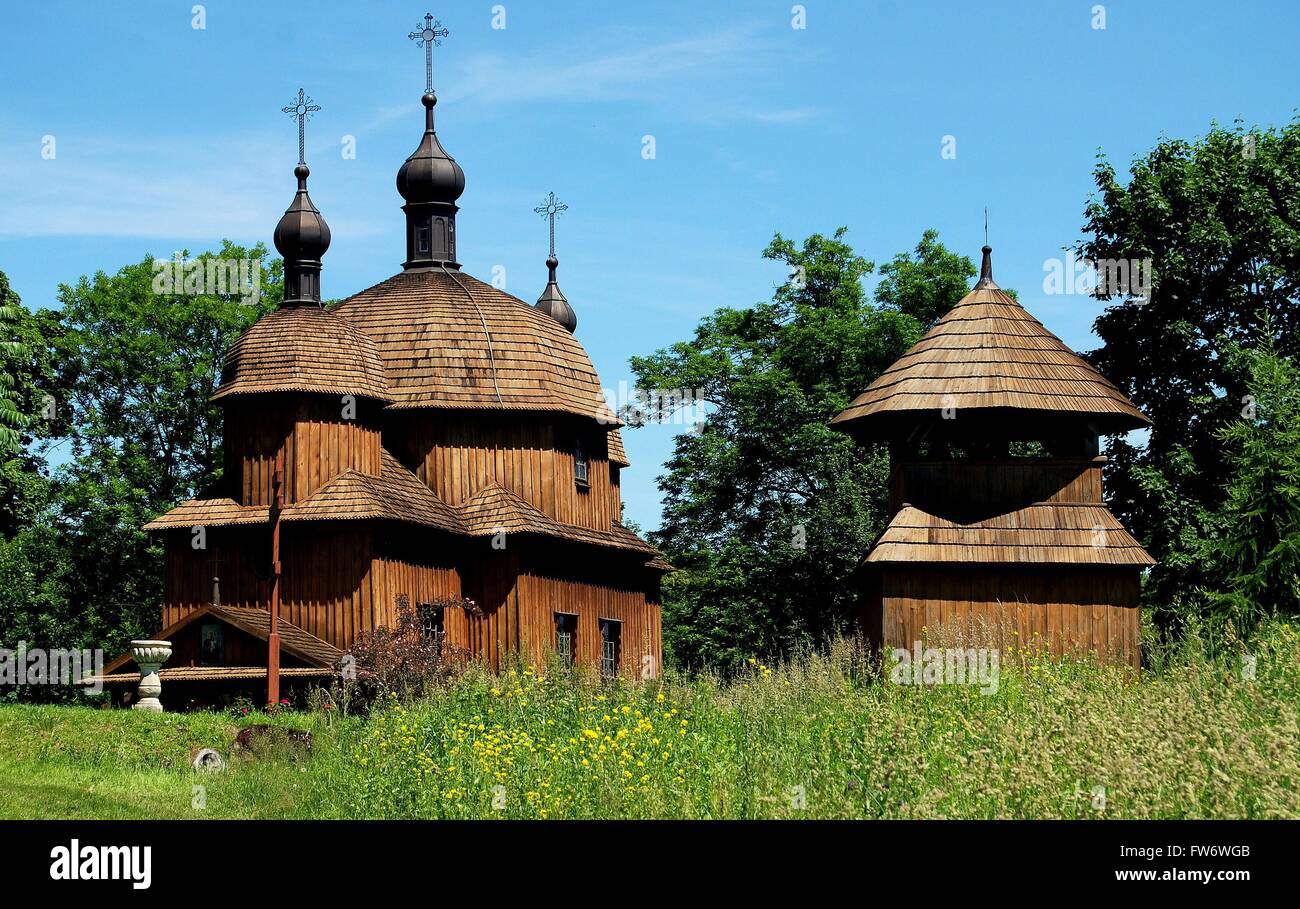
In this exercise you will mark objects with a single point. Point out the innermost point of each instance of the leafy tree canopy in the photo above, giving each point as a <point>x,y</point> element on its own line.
<point>1219,220</point>
<point>767,510</point>
<point>128,371</point>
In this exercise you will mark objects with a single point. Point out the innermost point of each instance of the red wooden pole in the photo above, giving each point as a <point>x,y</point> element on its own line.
<point>273,639</point>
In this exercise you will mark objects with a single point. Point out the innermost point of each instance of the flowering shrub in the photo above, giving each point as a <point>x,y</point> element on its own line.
<point>403,661</point>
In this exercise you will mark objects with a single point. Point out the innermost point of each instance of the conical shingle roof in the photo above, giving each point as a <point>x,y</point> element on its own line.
<point>989,354</point>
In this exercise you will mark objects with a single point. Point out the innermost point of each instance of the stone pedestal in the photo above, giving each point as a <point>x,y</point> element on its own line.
<point>149,656</point>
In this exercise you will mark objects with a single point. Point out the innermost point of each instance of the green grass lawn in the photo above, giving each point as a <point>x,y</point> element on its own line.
<point>821,737</point>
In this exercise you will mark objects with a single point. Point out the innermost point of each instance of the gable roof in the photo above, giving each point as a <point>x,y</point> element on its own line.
<point>494,510</point>
<point>1045,533</point>
<point>257,622</point>
<point>988,353</point>
<point>396,494</point>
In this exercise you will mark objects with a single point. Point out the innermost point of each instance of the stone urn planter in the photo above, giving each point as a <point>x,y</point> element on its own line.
<point>149,656</point>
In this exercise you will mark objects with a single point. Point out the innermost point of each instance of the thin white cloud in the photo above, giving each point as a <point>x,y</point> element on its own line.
<point>213,186</point>
<point>710,76</point>
<point>232,187</point>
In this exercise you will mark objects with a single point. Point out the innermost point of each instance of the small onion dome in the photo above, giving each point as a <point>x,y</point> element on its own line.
<point>986,270</point>
<point>554,303</point>
<point>302,234</point>
<point>430,174</point>
<point>307,349</point>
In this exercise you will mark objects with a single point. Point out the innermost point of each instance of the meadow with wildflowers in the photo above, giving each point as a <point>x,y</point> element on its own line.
<point>824,735</point>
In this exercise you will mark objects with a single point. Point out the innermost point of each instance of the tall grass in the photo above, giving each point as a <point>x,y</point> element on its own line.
<point>825,735</point>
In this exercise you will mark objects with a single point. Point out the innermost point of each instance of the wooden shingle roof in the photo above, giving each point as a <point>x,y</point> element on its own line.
<point>986,354</point>
<point>396,494</point>
<point>301,644</point>
<point>1044,533</point>
<point>303,348</point>
<point>295,641</point>
<point>399,495</point>
<point>616,453</point>
<point>218,512</point>
<point>208,674</point>
<point>494,510</point>
<point>449,340</point>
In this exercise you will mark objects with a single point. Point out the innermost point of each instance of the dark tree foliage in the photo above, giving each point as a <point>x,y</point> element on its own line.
<point>768,511</point>
<point>1219,218</point>
<point>1253,554</point>
<point>12,352</point>
<point>124,376</point>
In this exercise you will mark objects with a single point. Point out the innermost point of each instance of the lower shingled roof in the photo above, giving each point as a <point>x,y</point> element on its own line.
<point>494,509</point>
<point>399,495</point>
<point>1043,533</point>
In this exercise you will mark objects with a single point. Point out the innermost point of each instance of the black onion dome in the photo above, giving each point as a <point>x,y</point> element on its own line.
<point>430,174</point>
<point>302,234</point>
<point>554,303</point>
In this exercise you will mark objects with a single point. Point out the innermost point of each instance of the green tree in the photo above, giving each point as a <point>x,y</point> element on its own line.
<point>1254,555</point>
<point>926,283</point>
<point>768,512</point>
<point>132,369</point>
<point>12,352</point>
<point>29,389</point>
<point>1219,221</point>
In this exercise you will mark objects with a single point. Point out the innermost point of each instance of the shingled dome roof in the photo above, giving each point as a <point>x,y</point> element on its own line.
<point>989,354</point>
<point>451,341</point>
<point>303,348</point>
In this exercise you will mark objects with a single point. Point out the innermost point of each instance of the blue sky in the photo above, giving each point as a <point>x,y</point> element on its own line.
<point>169,136</point>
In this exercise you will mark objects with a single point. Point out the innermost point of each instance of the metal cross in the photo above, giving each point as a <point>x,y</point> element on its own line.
<point>427,37</point>
<point>549,209</point>
<point>303,108</point>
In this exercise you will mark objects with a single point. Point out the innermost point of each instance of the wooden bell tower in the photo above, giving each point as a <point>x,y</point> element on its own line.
<point>999,530</point>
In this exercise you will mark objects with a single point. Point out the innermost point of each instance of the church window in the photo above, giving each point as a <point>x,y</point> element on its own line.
<point>432,624</point>
<point>611,645</point>
<point>579,464</point>
<point>566,637</point>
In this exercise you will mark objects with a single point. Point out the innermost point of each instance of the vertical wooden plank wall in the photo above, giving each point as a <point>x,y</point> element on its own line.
<point>1068,609</point>
<point>318,443</point>
<point>528,453</point>
<point>557,578</point>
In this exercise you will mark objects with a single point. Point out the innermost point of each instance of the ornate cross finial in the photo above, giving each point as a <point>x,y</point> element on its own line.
<point>427,37</point>
<point>549,209</point>
<point>302,108</point>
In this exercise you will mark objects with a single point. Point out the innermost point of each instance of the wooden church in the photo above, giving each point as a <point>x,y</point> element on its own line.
<point>995,489</point>
<point>427,440</point>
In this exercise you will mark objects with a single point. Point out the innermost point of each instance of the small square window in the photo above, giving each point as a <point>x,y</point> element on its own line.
<point>580,464</point>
